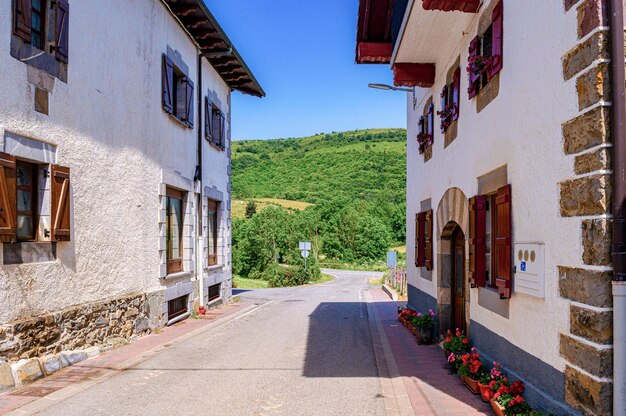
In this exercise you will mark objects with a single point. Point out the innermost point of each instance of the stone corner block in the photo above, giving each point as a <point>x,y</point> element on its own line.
<point>596,361</point>
<point>591,287</point>
<point>596,326</point>
<point>6,376</point>
<point>593,86</point>
<point>592,161</point>
<point>51,364</point>
<point>26,371</point>
<point>590,195</point>
<point>587,130</point>
<point>583,54</point>
<point>73,357</point>
<point>591,396</point>
<point>597,236</point>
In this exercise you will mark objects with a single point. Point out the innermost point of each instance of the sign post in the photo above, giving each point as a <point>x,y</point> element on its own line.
<point>305,248</point>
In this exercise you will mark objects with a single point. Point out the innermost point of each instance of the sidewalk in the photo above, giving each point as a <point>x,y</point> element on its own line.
<point>73,379</point>
<point>430,388</point>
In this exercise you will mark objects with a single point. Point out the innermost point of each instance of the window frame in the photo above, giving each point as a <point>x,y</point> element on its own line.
<point>183,301</point>
<point>212,207</point>
<point>174,265</point>
<point>42,32</point>
<point>214,297</point>
<point>34,194</point>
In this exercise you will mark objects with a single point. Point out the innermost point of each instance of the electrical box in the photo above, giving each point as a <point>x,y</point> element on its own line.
<point>530,274</point>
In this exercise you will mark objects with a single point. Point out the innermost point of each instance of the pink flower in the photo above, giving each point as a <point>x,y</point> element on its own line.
<point>419,315</point>
<point>451,358</point>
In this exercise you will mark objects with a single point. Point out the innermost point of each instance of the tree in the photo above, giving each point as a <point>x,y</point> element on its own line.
<point>251,208</point>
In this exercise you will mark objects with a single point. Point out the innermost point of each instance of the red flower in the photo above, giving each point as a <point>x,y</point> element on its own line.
<point>465,341</point>
<point>475,366</point>
<point>449,339</point>
<point>517,388</point>
<point>458,333</point>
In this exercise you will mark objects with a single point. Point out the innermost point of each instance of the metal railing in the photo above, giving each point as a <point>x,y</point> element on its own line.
<point>397,280</point>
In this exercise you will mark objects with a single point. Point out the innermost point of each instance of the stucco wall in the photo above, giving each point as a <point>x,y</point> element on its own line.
<point>521,129</point>
<point>109,128</point>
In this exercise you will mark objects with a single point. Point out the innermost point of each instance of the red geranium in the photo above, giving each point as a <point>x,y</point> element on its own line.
<point>517,388</point>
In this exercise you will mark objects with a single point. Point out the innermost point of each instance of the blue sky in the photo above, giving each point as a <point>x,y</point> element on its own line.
<point>302,53</point>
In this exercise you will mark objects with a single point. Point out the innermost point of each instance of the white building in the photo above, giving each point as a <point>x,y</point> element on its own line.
<point>115,182</point>
<point>509,182</point>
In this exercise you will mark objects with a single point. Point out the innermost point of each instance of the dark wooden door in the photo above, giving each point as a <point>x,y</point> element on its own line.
<point>458,279</point>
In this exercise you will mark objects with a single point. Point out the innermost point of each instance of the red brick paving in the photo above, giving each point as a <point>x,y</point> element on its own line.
<point>432,390</point>
<point>96,367</point>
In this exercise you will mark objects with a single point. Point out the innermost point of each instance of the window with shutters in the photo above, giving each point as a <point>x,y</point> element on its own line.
<point>485,54</point>
<point>174,230</point>
<point>178,92</point>
<point>426,131</point>
<point>41,25</point>
<point>424,240</point>
<point>213,231</point>
<point>450,97</point>
<point>215,125</point>
<point>26,201</point>
<point>491,241</point>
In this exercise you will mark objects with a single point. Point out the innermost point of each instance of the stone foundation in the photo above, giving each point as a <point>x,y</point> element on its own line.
<point>80,326</point>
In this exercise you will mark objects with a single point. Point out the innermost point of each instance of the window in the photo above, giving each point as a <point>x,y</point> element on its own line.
<point>26,201</point>
<point>177,307</point>
<point>174,230</point>
<point>424,239</point>
<point>177,92</point>
<point>20,204</point>
<point>214,292</point>
<point>213,232</point>
<point>491,241</point>
<point>450,101</point>
<point>34,19</point>
<point>485,54</point>
<point>214,125</point>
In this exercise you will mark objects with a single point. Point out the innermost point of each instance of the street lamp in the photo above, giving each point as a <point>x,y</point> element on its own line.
<point>386,87</point>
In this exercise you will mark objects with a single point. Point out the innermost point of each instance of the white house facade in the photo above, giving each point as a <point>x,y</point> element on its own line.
<point>115,186</point>
<point>510,183</point>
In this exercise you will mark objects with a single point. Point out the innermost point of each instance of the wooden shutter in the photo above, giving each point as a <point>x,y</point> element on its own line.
<point>431,121</point>
<point>478,240</point>
<point>217,116</point>
<point>222,130</point>
<point>208,119</point>
<point>496,42</point>
<point>8,198</point>
<point>503,241</point>
<point>22,16</point>
<point>188,113</point>
<point>167,81</point>
<point>444,103</point>
<point>473,78</point>
<point>456,93</point>
<point>421,239</point>
<point>428,239</point>
<point>61,32</point>
<point>60,187</point>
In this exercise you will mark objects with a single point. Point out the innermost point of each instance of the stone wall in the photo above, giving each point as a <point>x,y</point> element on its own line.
<point>81,326</point>
<point>587,346</point>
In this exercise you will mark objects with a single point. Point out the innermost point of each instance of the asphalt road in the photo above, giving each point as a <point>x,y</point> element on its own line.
<point>304,351</point>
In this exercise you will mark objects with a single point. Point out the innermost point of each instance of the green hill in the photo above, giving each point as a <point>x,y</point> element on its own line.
<point>357,165</point>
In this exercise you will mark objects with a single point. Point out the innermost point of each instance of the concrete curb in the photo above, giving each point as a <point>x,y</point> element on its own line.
<point>392,293</point>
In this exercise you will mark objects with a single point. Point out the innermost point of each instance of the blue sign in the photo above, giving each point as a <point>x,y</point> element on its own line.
<point>392,259</point>
<point>522,266</point>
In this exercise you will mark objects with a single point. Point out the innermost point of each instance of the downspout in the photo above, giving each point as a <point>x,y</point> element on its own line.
<point>618,133</point>
<point>198,177</point>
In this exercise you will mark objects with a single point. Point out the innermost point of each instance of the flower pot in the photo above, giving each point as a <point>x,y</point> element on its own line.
<point>472,385</point>
<point>497,408</point>
<point>485,393</point>
<point>424,335</point>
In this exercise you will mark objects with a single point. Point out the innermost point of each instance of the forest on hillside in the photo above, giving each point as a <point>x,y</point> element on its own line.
<point>356,182</point>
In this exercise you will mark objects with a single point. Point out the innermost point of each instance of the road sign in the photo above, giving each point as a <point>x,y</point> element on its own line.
<point>392,259</point>
<point>305,245</point>
<point>305,253</point>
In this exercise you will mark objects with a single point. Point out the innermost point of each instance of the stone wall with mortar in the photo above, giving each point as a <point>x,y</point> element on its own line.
<point>587,344</point>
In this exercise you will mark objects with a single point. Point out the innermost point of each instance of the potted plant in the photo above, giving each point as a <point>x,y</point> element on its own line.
<point>455,343</point>
<point>504,394</point>
<point>424,324</point>
<point>478,64</point>
<point>471,370</point>
<point>515,405</point>
<point>487,378</point>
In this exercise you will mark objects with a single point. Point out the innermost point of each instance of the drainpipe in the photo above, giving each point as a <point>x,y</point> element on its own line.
<point>618,133</point>
<point>198,177</point>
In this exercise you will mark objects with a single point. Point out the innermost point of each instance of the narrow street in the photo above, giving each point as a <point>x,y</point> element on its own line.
<point>301,351</point>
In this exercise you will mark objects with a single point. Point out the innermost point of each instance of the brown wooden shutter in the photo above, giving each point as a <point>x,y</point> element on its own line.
<point>217,116</point>
<point>208,119</point>
<point>22,16</point>
<point>222,130</point>
<point>60,186</point>
<point>496,42</point>
<point>189,99</point>
<point>473,78</point>
<point>431,121</point>
<point>477,240</point>
<point>8,198</point>
<point>417,227</point>
<point>444,103</point>
<point>428,240</point>
<point>421,239</point>
<point>503,241</point>
<point>61,32</point>
<point>456,94</point>
<point>167,81</point>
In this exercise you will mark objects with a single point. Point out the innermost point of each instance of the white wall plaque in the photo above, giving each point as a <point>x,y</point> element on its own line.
<point>530,272</point>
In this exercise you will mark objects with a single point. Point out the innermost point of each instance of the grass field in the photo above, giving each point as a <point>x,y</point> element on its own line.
<point>262,284</point>
<point>399,249</point>
<point>239,205</point>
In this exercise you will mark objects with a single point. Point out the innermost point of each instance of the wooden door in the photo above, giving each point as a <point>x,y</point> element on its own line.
<point>458,279</point>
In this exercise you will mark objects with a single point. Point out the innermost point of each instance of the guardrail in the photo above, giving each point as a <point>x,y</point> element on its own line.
<point>397,280</point>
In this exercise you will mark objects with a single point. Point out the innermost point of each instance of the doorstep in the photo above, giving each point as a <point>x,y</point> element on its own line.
<point>71,380</point>
<point>430,387</point>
